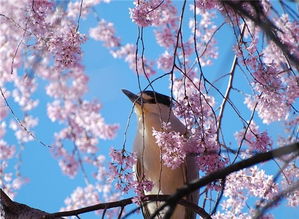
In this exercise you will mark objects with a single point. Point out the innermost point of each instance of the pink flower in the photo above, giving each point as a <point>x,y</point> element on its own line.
<point>165,37</point>
<point>23,131</point>
<point>6,151</point>
<point>121,169</point>
<point>290,176</point>
<point>66,47</point>
<point>25,87</point>
<point>270,102</point>
<point>105,32</point>
<point>69,165</point>
<point>141,187</point>
<point>165,61</point>
<point>81,197</point>
<point>206,4</point>
<point>256,140</point>
<point>73,8</point>
<point>241,185</point>
<point>153,12</point>
<point>145,12</point>
<point>172,146</point>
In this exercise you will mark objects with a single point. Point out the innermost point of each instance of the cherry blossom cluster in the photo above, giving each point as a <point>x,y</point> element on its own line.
<point>105,32</point>
<point>289,36</point>
<point>121,165</point>
<point>9,181</point>
<point>89,195</point>
<point>153,12</point>
<point>257,141</point>
<point>82,8</point>
<point>204,30</point>
<point>275,87</point>
<point>195,108</point>
<point>290,176</point>
<point>85,127</point>
<point>172,146</point>
<point>97,190</point>
<point>252,182</point>
<point>270,100</point>
<point>121,168</point>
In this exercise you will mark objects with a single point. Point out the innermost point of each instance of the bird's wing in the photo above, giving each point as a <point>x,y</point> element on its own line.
<point>191,174</point>
<point>140,176</point>
<point>139,170</point>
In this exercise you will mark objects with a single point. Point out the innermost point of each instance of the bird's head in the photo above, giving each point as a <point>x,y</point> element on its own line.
<point>150,102</point>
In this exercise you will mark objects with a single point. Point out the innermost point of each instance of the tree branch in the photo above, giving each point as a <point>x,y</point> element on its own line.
<point>12,210</point>
<point>124,202</point>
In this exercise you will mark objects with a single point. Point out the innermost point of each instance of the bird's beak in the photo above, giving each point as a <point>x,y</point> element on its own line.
<point>133,97</point>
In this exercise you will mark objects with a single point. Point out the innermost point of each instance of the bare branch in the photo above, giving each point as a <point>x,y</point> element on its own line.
<point>124,202</point>
<point>11,210</point>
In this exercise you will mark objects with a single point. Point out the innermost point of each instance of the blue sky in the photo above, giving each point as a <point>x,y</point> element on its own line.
<point>48,187</point>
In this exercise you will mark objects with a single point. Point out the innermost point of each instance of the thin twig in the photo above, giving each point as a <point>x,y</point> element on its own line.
<point>229,85</point>
<point>79,17</point>
<point>19,121</point>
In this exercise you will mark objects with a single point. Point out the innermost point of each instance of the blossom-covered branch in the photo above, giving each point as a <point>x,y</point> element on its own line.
<point>222,173</point>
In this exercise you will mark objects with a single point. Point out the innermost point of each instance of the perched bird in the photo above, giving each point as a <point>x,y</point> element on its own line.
<point>152,109</point>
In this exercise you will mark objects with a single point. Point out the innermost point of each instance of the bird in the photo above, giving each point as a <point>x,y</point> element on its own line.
<point>152,109</point>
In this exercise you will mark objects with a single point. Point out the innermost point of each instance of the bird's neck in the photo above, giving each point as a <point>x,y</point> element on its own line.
<point>150,121</point>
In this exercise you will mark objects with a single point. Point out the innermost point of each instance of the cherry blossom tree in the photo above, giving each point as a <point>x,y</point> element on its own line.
<point>41,45</point>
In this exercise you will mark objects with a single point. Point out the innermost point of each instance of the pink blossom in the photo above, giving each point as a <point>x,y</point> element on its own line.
<point>270,102</point>
<point>81,197</point>
<point>2,129</point>
<point>290,176</point>
<point>141,187</point>
<point>206,4</point>
<point>23,131</point>
<point>69,165</point>
<point>153,12</point>
<point>128,53</point>
<point>66,48</point>
<point>25,87</point>
<point>205,42</point>
<point>18,182</point>
<point>145,12</point>
<point>195,109</point>
<point>172,147</point>
<point>87,144</point>
<point>73,8</point>
<point>256,140</point>
<point>105,32</point>
<point>239,185</point>
<point>289,36</point>
<point>3,109</point>
<point>121,169</point>
<point>143,67</point>
<point>55,111</point>
<point>292,92</point>
<point>165,61</point>
<point>6,151</point>
<point>165,37</point>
